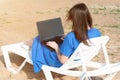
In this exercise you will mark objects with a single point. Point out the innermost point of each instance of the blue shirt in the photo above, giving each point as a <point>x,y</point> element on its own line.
<point>71,43</point>
<point>42,55</point>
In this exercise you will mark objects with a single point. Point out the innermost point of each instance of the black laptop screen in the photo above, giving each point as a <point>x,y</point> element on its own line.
<point>51,28</point>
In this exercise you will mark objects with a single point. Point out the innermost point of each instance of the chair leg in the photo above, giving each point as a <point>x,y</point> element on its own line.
<point>110,76</point>
<point>14,70</point>
<point>47,74</point>
<point>85,77</point>
<point>8,62</point>
<point>6,57</point>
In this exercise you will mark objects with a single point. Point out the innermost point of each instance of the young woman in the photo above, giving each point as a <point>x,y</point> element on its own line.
<point>82,30</point>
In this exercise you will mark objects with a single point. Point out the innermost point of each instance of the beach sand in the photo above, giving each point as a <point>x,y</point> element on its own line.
<point>18,23</point>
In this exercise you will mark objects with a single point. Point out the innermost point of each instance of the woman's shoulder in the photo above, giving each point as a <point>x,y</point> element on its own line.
<point>70,34</point>
<point>94,32</point>
<point>94,29</point>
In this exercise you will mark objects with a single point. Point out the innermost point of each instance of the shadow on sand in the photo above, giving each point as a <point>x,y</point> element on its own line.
<point>28,68</point>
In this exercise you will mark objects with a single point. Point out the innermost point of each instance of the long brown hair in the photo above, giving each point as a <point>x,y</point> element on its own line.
<point>81,19</point>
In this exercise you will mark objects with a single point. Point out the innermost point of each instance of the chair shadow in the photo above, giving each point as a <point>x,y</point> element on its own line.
<point>28,68</point>
<point>2,59</point>
<point>96,78</point>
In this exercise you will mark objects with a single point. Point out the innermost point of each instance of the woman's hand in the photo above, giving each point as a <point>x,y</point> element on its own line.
<point>53,45</point>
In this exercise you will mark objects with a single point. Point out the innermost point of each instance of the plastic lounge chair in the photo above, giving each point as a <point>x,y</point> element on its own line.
<point>82,56</point>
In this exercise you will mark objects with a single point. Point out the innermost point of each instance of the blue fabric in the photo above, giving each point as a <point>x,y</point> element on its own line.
<point>71,43</point>
<point>36,52</point>
<point>42,55</point>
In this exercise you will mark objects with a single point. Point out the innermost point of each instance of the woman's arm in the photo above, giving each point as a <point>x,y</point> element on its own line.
<point>60,56</point>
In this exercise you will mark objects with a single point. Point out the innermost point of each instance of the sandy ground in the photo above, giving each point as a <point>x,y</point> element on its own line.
<point>18,23</point>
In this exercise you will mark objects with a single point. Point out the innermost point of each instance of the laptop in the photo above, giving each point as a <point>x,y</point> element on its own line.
<point>50,28</point>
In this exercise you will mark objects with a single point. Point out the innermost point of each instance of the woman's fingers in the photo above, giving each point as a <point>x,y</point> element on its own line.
<point>52,44</point>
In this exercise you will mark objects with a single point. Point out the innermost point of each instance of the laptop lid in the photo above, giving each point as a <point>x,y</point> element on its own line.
<point>51,28</point>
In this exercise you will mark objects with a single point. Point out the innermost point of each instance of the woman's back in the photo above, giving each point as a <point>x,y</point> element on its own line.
<point>70,42</point>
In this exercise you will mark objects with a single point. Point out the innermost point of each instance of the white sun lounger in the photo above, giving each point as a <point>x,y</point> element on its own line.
<point>82,56</point>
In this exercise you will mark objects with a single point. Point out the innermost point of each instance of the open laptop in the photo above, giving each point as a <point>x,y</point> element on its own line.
<point>50,28</point>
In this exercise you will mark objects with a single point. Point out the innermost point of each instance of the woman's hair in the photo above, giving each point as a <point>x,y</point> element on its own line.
<point>81,20</point>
